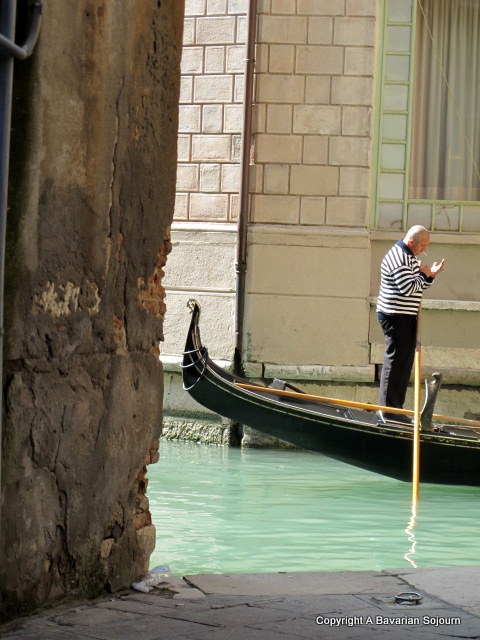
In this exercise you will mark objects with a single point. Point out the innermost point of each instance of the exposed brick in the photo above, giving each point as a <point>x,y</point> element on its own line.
<point>234,207</point>
<point>189,119</point>
<point>236,55</point>
<point>313,180</point>
<point>349,151</point>
<point>275,209</point>
<point>208,206</point>
<point>280,88</point>
<point>239,85</point>
<point>352,91</point>
<point>194,7</point>
<point>183,148</point>
<point>359,61</point>
<point>284,7</point>
<point>278,148</point>
<point>361,7</point>
<point>233,118</point>
<point>276,178</point>
<point>312,211</point>
<point>283,29</point>
<point>188,31</point>
<point>320,31</point>
<point>237,6</point>
<point>318,59</point>
<point>214,59</point>
<point>186,90</point>
<point>230,177</point>
<point>212,118</point>
<point>321,7</point>
<point>259,118</point>
<point>353,181</point>
<point>356,121</point>
<point>282,58</point>
<point>315,150</point>
<point>211,147</point>
<point>346,212</point>
<point>241,30</point>
<point>354,31</point>
<point>181,206</point>
<point>256,178</point>
<point>220,30</point>
<point>279,118</point>
<point>192,60</point>
<point>216,7</point>
<point>213,89</point>
<point>187,177</point>
<point>209,177</point>
<point>317,89</point>
<point>317,119</point>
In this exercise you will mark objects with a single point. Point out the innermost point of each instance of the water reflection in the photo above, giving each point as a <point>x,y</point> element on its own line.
<point>229,510</point>
<point>410,531</point>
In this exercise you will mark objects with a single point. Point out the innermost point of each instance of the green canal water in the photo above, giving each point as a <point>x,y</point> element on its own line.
<point>223,510</point>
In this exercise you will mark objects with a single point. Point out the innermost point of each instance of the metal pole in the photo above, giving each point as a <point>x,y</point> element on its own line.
<point>8,52</point>
<point>416,412</point>
<point>241,262</point>
<point>7,28</point>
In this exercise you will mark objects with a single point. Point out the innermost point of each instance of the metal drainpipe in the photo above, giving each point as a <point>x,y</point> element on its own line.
<point>8,51</point>
<point>242,227</point>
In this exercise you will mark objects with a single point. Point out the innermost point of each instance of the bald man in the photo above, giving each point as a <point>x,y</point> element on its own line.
<point>403,281</point>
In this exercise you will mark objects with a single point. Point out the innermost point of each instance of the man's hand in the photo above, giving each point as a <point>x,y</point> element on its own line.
<point>432,271</point>
<point>437,267</point>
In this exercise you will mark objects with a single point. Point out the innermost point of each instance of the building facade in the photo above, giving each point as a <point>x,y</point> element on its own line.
<point>365,122</point>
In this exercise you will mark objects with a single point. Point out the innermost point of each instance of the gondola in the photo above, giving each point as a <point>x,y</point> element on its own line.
<point>449,453</point>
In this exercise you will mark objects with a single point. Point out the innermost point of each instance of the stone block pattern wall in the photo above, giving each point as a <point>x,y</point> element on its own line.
<point>314,92</point>
<point>210,115</point>
<point>312,115</point>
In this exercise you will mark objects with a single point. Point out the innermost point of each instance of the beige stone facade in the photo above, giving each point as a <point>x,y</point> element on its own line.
<point>312,121</point>
<point>314,240</point>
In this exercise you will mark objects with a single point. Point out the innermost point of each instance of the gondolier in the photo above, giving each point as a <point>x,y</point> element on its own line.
<point>403,281</point>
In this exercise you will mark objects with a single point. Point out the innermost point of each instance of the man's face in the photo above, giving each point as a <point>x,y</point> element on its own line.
<point>418,246</point>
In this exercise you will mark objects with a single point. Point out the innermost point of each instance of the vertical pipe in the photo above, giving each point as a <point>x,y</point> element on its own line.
<point>242,226</point>
<point>7,29</point>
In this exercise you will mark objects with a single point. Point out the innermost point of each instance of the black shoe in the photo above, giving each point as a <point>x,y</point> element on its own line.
<point>394,417</point>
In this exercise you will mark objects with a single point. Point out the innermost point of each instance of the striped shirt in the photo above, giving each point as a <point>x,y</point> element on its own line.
<point>402,282</point>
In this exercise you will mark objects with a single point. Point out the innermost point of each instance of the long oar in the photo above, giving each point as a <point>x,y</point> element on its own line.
<point>416,412</point>
<point>351,403</point>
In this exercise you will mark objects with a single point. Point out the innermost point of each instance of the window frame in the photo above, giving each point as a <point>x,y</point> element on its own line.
<point>393,132</point>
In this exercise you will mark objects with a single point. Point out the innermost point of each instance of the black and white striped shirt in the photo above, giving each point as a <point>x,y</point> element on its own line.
<point>402,283</point>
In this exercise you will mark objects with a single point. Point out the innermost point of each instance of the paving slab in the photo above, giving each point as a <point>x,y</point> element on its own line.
<point>281,606</point>
<point>459,586</point>
<point>342,582</point>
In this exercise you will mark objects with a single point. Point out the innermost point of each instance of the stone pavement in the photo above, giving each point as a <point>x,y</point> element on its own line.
<point>280,606</point>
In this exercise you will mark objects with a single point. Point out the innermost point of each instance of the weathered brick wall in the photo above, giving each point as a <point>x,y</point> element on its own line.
<point>314,95</point>
<point>312,116</point>
<point>210,125</point>
<point>92,187</point>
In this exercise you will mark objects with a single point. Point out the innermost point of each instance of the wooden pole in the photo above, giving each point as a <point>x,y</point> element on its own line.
<point>416,412</point>
<point>475,424</point>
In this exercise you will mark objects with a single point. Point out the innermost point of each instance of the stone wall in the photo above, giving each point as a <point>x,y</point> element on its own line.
<point>309,183</point>
<point>92,186</point>
<point>210,119</point>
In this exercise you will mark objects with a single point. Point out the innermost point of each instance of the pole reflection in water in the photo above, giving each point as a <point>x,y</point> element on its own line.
<point>226,510</point>
<point>410,531</point>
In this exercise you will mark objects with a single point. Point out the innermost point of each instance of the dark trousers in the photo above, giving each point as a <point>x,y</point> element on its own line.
<point>400,333</point>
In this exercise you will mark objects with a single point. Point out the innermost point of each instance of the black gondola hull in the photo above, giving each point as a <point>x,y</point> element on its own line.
<point>353,437</point>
